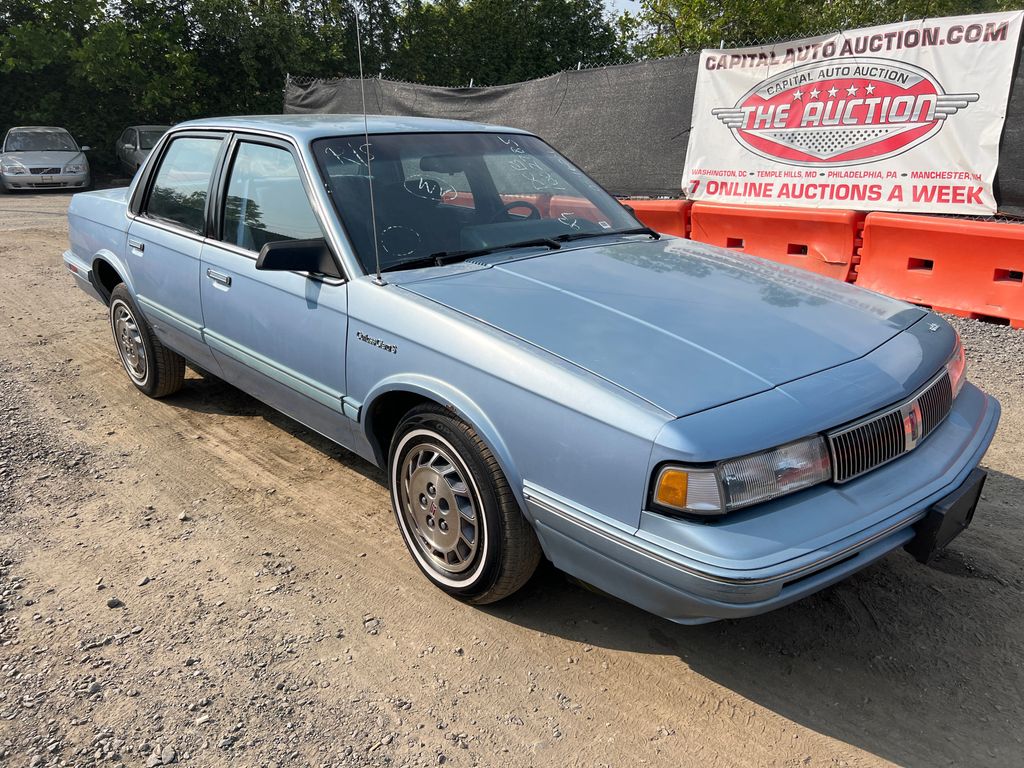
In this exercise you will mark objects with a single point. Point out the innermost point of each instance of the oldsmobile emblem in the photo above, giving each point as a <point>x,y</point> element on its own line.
<point>378,343</point>
<point>844,112</point>
<point>913,424</point>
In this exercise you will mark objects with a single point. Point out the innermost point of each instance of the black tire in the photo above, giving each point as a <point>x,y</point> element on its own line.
<point>162,371</point>
<point>506,551</point>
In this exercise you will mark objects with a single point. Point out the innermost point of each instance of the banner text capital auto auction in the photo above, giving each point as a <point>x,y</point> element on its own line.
<point>905,117</point>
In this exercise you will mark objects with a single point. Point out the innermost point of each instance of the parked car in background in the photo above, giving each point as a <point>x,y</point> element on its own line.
<point>135,143</point>
<point>702,433</point>
<point>37,157</point>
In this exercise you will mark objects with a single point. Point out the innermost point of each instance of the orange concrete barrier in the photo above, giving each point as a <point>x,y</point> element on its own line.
<point>967,268</point>
<point>672,217</point>
<point>821,241</point>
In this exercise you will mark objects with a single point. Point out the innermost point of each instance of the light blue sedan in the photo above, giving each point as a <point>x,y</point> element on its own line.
<point>701,433</point>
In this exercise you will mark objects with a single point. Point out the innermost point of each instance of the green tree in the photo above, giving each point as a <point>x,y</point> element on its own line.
<point>493,42</point>
<point>671,27</point>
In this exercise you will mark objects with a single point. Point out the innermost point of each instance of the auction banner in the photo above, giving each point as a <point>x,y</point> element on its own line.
<point>903,117</point>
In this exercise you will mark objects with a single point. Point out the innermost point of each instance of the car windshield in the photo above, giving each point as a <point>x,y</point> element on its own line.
<point>442,195</point>
<point>148,137</point>
<point>40,141</point>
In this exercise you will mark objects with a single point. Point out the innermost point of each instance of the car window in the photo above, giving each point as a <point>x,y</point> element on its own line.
<point>148,137</point>
<point>123,138</point>
<point>182,182</point>
<point>40,140</point>
<point>449,189</point>
<point>450,193</point>
<point>133,138</point>
<point>266,201</point>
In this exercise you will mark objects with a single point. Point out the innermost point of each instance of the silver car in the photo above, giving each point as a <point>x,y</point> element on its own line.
<point>135,143</point>
<point>35,157</point>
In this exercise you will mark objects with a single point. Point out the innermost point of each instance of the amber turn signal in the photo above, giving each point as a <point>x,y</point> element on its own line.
<point>671,490</point>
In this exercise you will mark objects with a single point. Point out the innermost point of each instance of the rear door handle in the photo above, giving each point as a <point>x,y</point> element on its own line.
<point>136,245</point>
<point>218,277</point>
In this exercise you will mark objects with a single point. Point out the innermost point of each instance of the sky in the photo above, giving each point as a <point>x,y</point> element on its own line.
<point>618,6</point>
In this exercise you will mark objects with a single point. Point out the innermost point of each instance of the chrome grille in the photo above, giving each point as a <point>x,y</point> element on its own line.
<point>885,436</point>
<point>45,171</point>
<point>935,403</point>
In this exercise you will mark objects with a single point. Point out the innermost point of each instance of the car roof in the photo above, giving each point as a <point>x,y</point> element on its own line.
<point>308,127</point>
<point>149,127</point>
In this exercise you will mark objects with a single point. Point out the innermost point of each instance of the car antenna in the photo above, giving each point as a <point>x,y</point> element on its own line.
<point>366,148</point>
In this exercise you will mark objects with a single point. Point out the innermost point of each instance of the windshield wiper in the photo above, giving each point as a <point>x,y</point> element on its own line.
<point>553,243</point>
<point>450,257</point>
<point>635,231</point>
<point>422,261</point>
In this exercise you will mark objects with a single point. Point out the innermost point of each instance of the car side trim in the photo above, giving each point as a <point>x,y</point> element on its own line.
<point>285,376</point>
<point>171,317</point>
<point>580,518</point>
<point>351,407</point>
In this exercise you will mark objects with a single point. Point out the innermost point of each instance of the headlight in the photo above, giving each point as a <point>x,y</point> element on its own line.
<point>956,366</point>
<point>744,481</point>
<point>12,168</point>
<point>74,168</point>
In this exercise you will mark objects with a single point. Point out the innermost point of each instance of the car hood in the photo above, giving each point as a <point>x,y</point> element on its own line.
<point>49,158</point>
<point>684,326</point>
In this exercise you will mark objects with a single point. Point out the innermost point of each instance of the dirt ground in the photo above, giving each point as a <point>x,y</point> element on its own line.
<point>200,580</point>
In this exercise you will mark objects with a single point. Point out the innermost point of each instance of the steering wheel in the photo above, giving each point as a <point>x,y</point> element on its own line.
<point>534,210</point>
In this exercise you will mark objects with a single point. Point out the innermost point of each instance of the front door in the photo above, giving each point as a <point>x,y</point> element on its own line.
<point>165,243</point>
<point>278,335</point>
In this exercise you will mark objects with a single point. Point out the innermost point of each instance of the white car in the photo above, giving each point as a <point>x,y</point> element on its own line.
<point>35,157</point>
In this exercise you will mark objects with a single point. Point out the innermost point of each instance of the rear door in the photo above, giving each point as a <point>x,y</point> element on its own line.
<point>278,335</point>
<point>165,241</point>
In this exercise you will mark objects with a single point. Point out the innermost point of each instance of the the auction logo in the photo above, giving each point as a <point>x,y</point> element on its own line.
<point>843,112</point>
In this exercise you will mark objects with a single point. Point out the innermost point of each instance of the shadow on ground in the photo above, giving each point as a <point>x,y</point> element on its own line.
<point>884,661</point>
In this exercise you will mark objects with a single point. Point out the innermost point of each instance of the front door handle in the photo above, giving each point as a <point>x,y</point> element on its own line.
<point>136,245</point>
<point>218,277</point>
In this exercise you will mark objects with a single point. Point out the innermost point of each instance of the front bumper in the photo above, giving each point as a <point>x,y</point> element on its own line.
<point>780,556</point>
<point>40,181</point>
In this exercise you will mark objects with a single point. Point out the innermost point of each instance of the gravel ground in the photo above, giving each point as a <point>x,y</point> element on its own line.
<point>995,356</point>
<point>202,581</point>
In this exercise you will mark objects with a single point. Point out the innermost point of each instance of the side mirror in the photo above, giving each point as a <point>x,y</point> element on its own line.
<point>86,148</point>
<point>128,147</point>
<point>298,256</point>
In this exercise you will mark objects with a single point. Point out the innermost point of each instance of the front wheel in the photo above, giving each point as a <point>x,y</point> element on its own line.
<point>457,514</point>
<point>154,369</point>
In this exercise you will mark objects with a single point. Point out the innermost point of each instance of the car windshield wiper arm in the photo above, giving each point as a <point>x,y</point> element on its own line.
<point>450,257</point>
<point>554,243</point>
<point>421,261</point>
<point>635,231</point>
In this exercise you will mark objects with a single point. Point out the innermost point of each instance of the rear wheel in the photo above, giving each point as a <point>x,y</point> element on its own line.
<point>455,510</point>
<point>153,368</point>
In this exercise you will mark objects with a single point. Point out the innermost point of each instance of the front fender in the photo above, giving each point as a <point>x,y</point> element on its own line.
<point>460,403</point>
